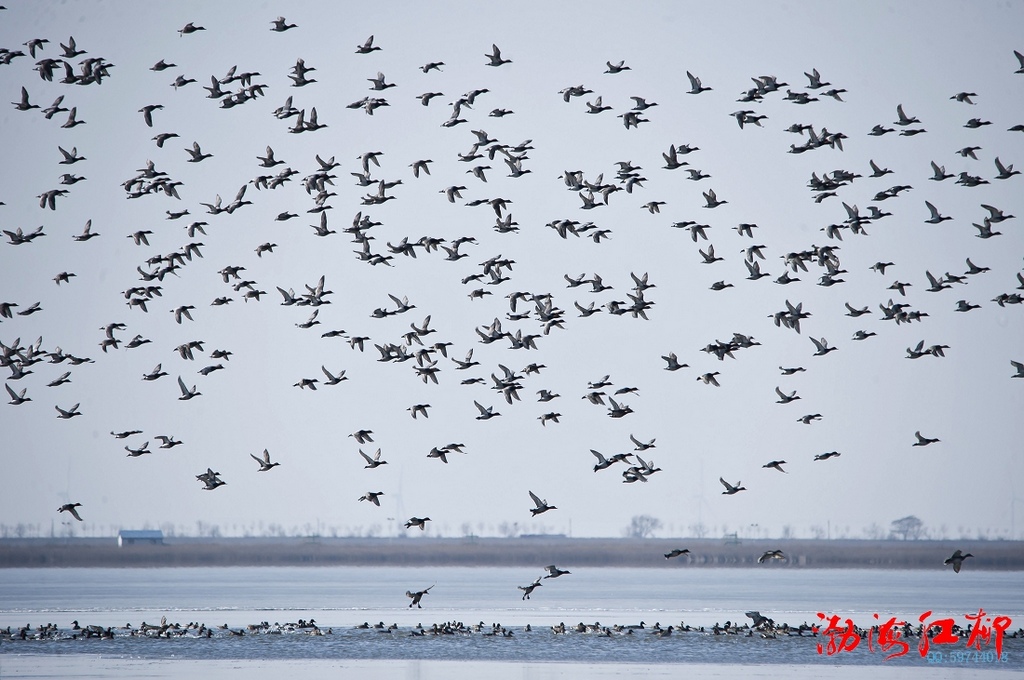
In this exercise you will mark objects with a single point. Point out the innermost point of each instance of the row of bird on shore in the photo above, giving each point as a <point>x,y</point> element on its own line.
<point>593,192</point>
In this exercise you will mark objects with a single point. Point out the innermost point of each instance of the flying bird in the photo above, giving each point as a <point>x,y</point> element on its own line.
<point>187,393</point>
<point>372,496</point>
<point>374,461</point>
<point>957,560</point>
<point>731,489</point>
<point>420,522</point>
<point>417,596</point>
<point>264,461</point>
<point>555,572</point>
<point>495,57</point>
<point>771,555</point>
<point>73,509</point>
<point>541,505</point>
<point>66,414</point>
<point>528,590</point>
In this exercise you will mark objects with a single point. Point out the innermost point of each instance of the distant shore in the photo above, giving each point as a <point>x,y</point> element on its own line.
<point>488,552</point>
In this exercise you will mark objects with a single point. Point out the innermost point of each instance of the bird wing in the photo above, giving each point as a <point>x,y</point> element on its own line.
<point>537,501</point>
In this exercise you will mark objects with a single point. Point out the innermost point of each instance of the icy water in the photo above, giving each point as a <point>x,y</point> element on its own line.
<point>341,598</point>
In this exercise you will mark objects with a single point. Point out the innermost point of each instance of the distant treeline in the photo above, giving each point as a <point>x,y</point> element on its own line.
<point>491,552</point>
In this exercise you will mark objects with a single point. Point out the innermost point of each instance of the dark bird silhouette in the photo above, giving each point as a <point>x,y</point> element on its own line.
<point>957,560</point>
<point>372,496</point>
<point>420,522</point>
<point>417,596</point>
<point>541,505</point>
<point>367,47</point>
<point>73,509</point>
<point>495,57</point>
<point>695,84</point>
<point>264,461</point>
<point>187,393</point>
<point>770,555</point>
<point>731,489</point>
<point>528,590</point>
<point>280,25</point>
<point>189,28</point>
<point>555,572</point>
<point>372,462</point>
<point>24,104</point>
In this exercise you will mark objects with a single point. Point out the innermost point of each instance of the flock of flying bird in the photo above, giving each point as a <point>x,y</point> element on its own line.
<point>235,89</point>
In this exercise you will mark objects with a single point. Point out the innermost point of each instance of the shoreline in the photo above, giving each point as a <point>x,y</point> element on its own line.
<point>528,551</point>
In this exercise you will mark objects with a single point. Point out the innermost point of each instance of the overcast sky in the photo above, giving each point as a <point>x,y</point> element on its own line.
<point>871,397</point>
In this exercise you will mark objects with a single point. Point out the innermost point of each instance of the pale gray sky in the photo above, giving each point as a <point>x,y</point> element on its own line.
<point>872,398</point>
